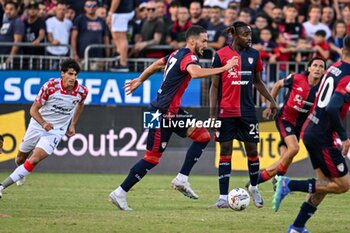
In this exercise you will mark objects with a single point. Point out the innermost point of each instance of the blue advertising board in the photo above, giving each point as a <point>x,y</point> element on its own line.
<point>105,88</point>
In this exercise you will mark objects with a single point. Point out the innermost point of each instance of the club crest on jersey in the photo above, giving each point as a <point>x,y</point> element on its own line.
<point>75,101</point>
<point>340,167</point>
<point>288,129</point>
<point>217,134</point>
<point>163,144</point>
<point>194,58</point>
<point>250,60</point>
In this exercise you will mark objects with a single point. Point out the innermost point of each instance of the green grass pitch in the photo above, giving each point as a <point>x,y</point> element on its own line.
<point>78,203</point>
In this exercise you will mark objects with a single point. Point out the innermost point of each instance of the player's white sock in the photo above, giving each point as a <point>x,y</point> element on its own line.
<point>22,171</point>
<point>223,197</point>
<point>182,177</point>
<point>120,191</point>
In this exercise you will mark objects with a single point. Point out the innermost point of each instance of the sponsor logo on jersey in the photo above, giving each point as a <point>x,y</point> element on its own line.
<point>241,83</point>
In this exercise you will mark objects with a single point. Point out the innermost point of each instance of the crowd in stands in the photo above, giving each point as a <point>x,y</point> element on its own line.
<point>283,30</point>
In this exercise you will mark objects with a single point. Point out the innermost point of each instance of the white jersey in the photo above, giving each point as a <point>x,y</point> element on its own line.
<point>59,104</point>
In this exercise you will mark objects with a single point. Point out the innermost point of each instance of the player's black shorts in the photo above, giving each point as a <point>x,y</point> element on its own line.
<point>242,129</point>
<point>286,128</point>
<point>158,138</point>
<point>325,156</point>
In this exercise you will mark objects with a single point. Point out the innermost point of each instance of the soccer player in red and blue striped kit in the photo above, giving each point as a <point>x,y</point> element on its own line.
<point>231,101</point>
<point>319,135</point>
<point>302,89</point>
<point>179,68</point>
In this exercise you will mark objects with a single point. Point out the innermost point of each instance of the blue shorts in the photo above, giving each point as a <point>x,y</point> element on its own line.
<point>286,128</point>
<point>158,139</point>
<point>242,129</point>
<point>325,156</point>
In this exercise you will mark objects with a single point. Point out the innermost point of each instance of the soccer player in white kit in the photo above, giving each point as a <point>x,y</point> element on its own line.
<point>55,112</point>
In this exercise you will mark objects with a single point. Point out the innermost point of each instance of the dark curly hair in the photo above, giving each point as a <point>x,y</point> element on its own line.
<point>70,63</point>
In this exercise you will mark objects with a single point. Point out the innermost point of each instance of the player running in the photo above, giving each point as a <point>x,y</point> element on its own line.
<point>55,112</point>
<point>319,136</point>
<point>231,100</point>
<point>179,68</point>
<point>293,114</point>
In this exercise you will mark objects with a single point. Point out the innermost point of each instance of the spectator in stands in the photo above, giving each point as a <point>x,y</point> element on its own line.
<point>50,7</point>
<point>206,12</point>
<point>70,13</point>
<point>12,30</point>
<point>230,15</point>
<point>119,15</point>
<point>89,29</point>
<point>160,9</point>
<point>216,38</point>
<point>328,16</point>
<point>290,28</point>
<point>172,17</point>
<point>195,13</point>
<point>244,16</point>
<point>303,44</point>
<point>267,8</point>
<point>253,7</point>
<point>35,30</point>
<point>314,24</point>
<point>151,31</point>
<point>336,40</point>
<point>346,16</point>
<point>42,10</point>
<point>135,24</point>
<point>303,12</point>
<point>320,45</point>
<point>176,36</point>
<point>78,5</point>
<point>58,32</point>
<point>260,23</point>
<point>101,12</point>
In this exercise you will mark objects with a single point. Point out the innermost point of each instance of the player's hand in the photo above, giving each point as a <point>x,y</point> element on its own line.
<point>232,62</point>
<point>47,126</point>
<point>345,147</point>
<point>266,113</point>
<point>132,85</point>
<point>71,131</point>
<point>273,107</point>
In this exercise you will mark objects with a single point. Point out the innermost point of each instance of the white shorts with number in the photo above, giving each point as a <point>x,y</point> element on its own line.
<point>120,21</point>
<point>36,136</point>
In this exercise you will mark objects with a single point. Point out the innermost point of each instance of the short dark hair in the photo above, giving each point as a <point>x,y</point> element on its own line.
<point>194,30</point>
<point>12,3</point>
<point>320,33</point>
<point>68,64</point>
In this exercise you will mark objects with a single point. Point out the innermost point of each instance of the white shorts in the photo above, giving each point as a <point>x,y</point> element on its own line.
<point>36,136</point>
<point>120,21</point>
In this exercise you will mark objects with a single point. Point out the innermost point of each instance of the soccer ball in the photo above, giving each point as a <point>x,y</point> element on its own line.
<point>238,199</point>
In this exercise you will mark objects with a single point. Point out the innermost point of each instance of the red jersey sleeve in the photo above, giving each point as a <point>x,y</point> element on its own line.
<point>83,93</point>
<point>343,86</point>
<point>259,65</point>
<point>189,58</point>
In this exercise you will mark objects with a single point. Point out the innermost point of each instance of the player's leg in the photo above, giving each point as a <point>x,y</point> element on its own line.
<point>156,143</point>
<point>309,207</point>
<point>201,138</point>
<point>253,169</point>
<point>20,159</point>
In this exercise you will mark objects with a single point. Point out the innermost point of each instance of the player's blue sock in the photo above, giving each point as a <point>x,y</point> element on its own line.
<point>305,213</point>
<point>137,172</point>
<point>224,174</point>
<point>194,152</point>
<point>306,186</point>
<point>253,167</point>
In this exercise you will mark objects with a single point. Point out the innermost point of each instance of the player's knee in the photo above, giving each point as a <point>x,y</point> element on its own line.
<point>294,149</point>
<point>200,135</point>
<point>344,187</point>
<point>153,157</point>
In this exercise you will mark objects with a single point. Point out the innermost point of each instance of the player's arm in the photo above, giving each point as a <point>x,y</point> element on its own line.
<point>156,66</point>
<point>333,111</point>
<point>75,118</point>
<point>196,71</point>
<point>34,112</point>
<point>213,98</point>
<point>260,86</point>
